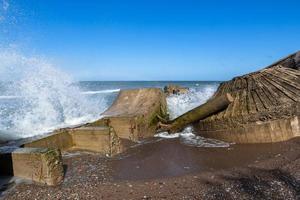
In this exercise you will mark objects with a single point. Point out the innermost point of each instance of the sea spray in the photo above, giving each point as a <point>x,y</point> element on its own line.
<point>47,98</point>
<point>179,104</point>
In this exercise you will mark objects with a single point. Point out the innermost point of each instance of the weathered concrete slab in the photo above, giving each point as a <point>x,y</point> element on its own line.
<point>40,160</point>
<point>265,132</point>
<point>133,115</point>
<point>266,106</point>
<point>97,139</point>
<point>60,139</point>
<point>41,165</point>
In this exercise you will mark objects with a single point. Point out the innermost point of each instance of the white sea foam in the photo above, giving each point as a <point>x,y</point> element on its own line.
<point>187,137</point>
<point>167,135</point>
<point>85,92</point>
<point>101,91</point>
<point>186,132</point>
<point>179,104</point>
<point>9,97</point>
<point>50,99</point>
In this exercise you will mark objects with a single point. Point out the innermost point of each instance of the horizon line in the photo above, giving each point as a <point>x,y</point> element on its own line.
<point>154,80</point>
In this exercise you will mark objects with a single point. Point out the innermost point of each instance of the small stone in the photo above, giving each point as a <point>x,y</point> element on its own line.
<point>175,90</point>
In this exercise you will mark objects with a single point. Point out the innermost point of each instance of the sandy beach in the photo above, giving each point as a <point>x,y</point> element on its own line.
<point>166,169</point>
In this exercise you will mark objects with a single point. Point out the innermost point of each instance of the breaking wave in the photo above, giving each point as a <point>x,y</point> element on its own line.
<point>85,93</point>
<point>37,97</point>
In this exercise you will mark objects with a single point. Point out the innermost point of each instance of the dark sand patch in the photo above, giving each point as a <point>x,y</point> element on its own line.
<point>170,158</point>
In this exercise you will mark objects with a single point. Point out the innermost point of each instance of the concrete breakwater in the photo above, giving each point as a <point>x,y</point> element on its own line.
<point>132,117</point>
<point>264,108</point>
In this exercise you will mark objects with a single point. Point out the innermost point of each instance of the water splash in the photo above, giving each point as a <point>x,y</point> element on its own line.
<point>187,137</point>
<point>179,104</point>
<point>48,98</point>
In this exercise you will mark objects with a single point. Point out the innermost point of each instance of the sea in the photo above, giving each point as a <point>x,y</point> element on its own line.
<point>37,98</point>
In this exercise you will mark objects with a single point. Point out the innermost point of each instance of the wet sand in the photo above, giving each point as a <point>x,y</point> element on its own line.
<point>170,158</point>
<point>167,169</point>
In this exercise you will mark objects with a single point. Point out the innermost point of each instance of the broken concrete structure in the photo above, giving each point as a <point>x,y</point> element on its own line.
<point>60,139</point>
<point>40,165</point>
<point>101,139</point>
<point>134,114</point>
<point>266,106</point>
<point>97,139</point>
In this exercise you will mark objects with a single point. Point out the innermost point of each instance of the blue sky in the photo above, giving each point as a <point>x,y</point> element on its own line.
<point>156,39</point>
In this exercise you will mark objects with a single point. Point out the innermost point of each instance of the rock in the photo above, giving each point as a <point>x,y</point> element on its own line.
<point>175,89</point>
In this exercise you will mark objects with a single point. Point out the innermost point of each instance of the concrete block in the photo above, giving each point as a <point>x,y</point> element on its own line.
<point>133,115</point>
<point>60,139</point>
<point>96,139</point>
<point>268,132</point>
<point>40,165</point>
<point>99,139</point>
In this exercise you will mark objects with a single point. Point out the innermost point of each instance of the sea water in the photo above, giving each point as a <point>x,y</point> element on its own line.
<point>37,97</point>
